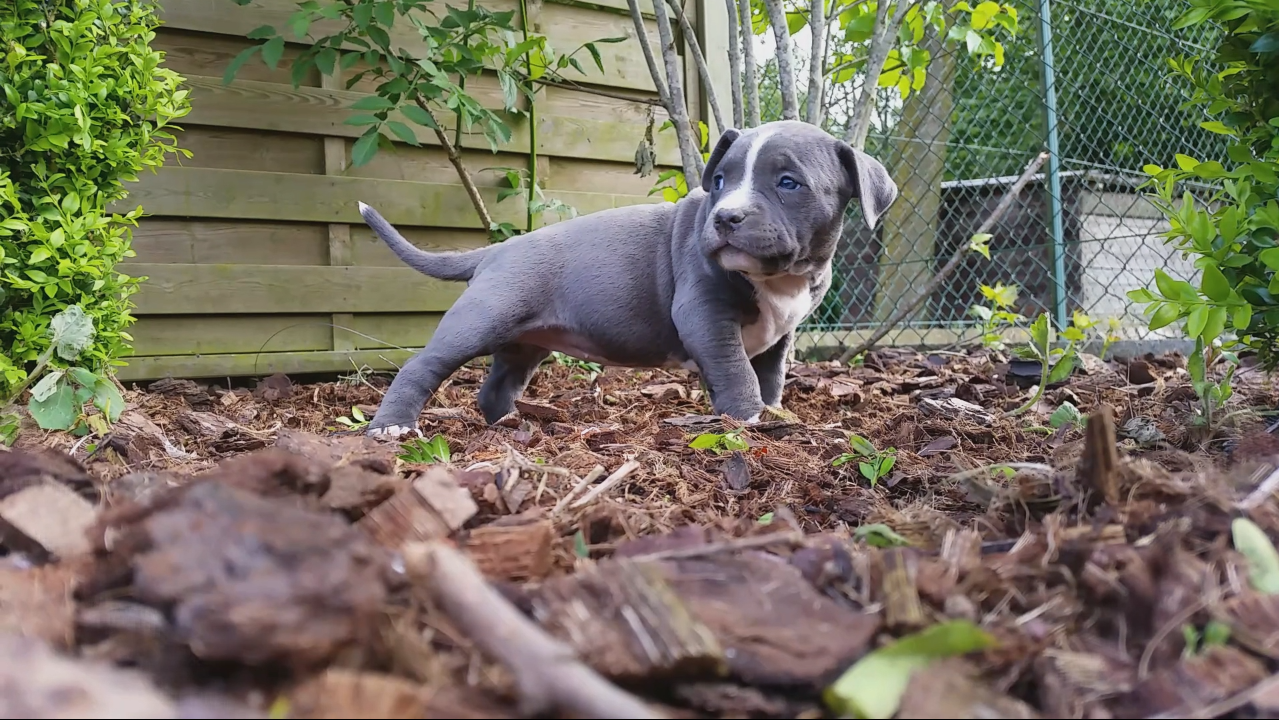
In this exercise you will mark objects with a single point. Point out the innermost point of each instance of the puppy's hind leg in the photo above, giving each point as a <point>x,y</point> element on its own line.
<point>472,328</point>
<point>513,368</point>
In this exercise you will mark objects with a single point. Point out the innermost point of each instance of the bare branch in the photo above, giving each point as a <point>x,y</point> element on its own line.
<point>785,59</point>
<point>562,82</point>
<point>734,61</point>
<point>455,157</point>
<point>548,674</point>
<point>816,59</point>
<point>672,91</point>
<point>881,42</point>
<point>699,59</point>
<point>750,80</point>
<point>905,310</point>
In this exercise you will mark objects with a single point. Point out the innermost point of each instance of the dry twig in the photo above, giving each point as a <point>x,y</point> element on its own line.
<point>748,543</point>
<point>455,158</point>
<point>961,252</point>
<point>785,59</point>
<point>734,62</point>
<point>618,475</point>
<point>547,673</point>
<point>699,59</point>
<point>750,82</point>
<point>816,60</point>
<point>690,157</point>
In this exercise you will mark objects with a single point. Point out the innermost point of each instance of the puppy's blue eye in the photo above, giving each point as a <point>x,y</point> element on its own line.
<point>719,182</point>
<point>788,183</point>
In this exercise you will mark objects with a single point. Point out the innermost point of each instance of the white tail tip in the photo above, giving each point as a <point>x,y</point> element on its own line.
<point>364,209</point>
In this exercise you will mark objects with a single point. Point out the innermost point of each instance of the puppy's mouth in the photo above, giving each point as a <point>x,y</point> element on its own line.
<point>737,260</point>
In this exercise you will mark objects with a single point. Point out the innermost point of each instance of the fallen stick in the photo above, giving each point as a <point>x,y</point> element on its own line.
<point>547,673</point>
<point>618,475</point>
<point>961,252</point>
<point>794,537</point>
<point>591,477</point>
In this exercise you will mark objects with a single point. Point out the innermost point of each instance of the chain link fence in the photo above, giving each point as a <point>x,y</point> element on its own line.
<point>1080,236</point>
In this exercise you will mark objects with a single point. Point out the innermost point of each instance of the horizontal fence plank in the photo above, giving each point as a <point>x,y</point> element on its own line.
<point>567,27</point>
<point>258,364</point>
<point>236,242</point>
<point>254,105</point>
<point>242,194</point>
<point>261,289</point>
<point>234,334</point>
<point>219,334</point>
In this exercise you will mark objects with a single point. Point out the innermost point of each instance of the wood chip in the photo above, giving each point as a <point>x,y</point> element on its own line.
<point>954,408</point>
<point>545,413</point>
<point>938,446</point>
<point>433,506</point>
<point>512,552</point>
<point>46,520</point>
<point>340,693</point>
<point>1099,465</point>
<point>737,473</point>
<point>665,392</point>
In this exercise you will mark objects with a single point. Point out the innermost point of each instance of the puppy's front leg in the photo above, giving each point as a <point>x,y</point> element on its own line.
<point>770,368</point>
<point>713,338</point>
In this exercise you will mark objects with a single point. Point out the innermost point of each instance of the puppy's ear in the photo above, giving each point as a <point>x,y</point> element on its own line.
<point>726,141</point>
<point>872,186</point>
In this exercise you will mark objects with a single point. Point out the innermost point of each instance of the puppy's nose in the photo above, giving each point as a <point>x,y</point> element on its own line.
<point>729,219</point>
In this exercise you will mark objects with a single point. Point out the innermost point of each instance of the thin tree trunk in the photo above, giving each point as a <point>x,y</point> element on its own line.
<point>734,61</point>
<point>816,71</point>
<point>785,59</point>
<point>750,73</point>
<point>911,224</point>
<point>672,92</point>
<point>699,59</point>
<point>880,44</point>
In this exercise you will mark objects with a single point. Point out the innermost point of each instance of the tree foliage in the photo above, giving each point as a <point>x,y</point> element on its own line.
<point>86,106</point>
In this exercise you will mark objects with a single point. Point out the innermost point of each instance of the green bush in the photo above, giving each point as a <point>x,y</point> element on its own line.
<point>85,107</point>
<point>1234,237</point>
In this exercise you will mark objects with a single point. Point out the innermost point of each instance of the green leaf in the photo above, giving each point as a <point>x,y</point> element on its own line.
<point>1039,333</point>
<point>1268,43</point>
<point>108,399</point>
<point>580,548</point>
<point>418,115</point>
<point>1215,126</point>
<point>1263,561</point>
<point>361,120</point>
<point>261,32</point>
<point>872,688</point>
<point>1065,414</point>
<point>44,389</point>
<point>1270,257</point>
<point>1215,323</point>
<point>1165,315</point>
<point>1196,321</point>
<point>365,148</point>
<point>72,332</point>
<point>38,255</point>
<point>56,412</point>
<point>879,535</point>
<point>272,51</point>
<point>326,61</point>
<point>1062,368</point>
<point>861,445</point>
<point>1185,162</point>
<point>706,441</point>
<point>868,471</point>
<point>238,62</point>
<point>402,131</point>
<point>1141,295</point>
<point>1242,317</point>
<point>1215,286</point>
<point>83,377</point>
<point>372,102</point>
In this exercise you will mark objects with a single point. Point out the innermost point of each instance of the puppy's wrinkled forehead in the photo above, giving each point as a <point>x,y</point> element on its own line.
<point>760,156</point>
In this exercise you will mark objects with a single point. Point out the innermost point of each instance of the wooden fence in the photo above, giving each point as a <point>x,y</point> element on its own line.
<point>256,256</point>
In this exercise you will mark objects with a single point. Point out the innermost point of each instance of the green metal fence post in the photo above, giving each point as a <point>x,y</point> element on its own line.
<point>1054,163</point>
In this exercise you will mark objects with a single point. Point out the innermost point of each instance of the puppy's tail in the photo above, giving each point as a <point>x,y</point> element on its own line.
<point>442,266</point>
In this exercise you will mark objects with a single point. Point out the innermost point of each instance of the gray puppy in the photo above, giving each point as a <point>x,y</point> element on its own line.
<point>715,283</point>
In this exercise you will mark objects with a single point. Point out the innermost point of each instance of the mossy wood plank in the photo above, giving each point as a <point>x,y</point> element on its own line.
<point>240,149</point>
<point>248,195</point>
<point>230,334</point>
<point>218,334</point>
<point>248,242</point>
<point>258,364</point>
<point>567,26</point>
<point>315,111</point>
<point>262,289</point>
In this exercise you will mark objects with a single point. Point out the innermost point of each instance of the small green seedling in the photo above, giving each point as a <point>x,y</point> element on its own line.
<point>720,443</point>
<point>580,548</point>
<point>879,535</point>
<point>422,451</point>
<point>872,463</point>
<point>1214,633</point>
<point>356,421</point>
<point>586,370</point>
<point>765,519</point>
<point>1067,414</point>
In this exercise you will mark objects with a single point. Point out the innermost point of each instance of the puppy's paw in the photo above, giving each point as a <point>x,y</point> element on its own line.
<point>394,432</point>
<point>753,419</point>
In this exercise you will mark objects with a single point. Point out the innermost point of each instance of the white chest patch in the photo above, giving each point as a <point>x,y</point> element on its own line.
<point>783,302</point>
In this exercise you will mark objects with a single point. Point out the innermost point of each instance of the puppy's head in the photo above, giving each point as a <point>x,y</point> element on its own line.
<point>776,196</point>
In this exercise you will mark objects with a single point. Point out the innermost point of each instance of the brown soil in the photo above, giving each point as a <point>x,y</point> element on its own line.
<point>239,553</point>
